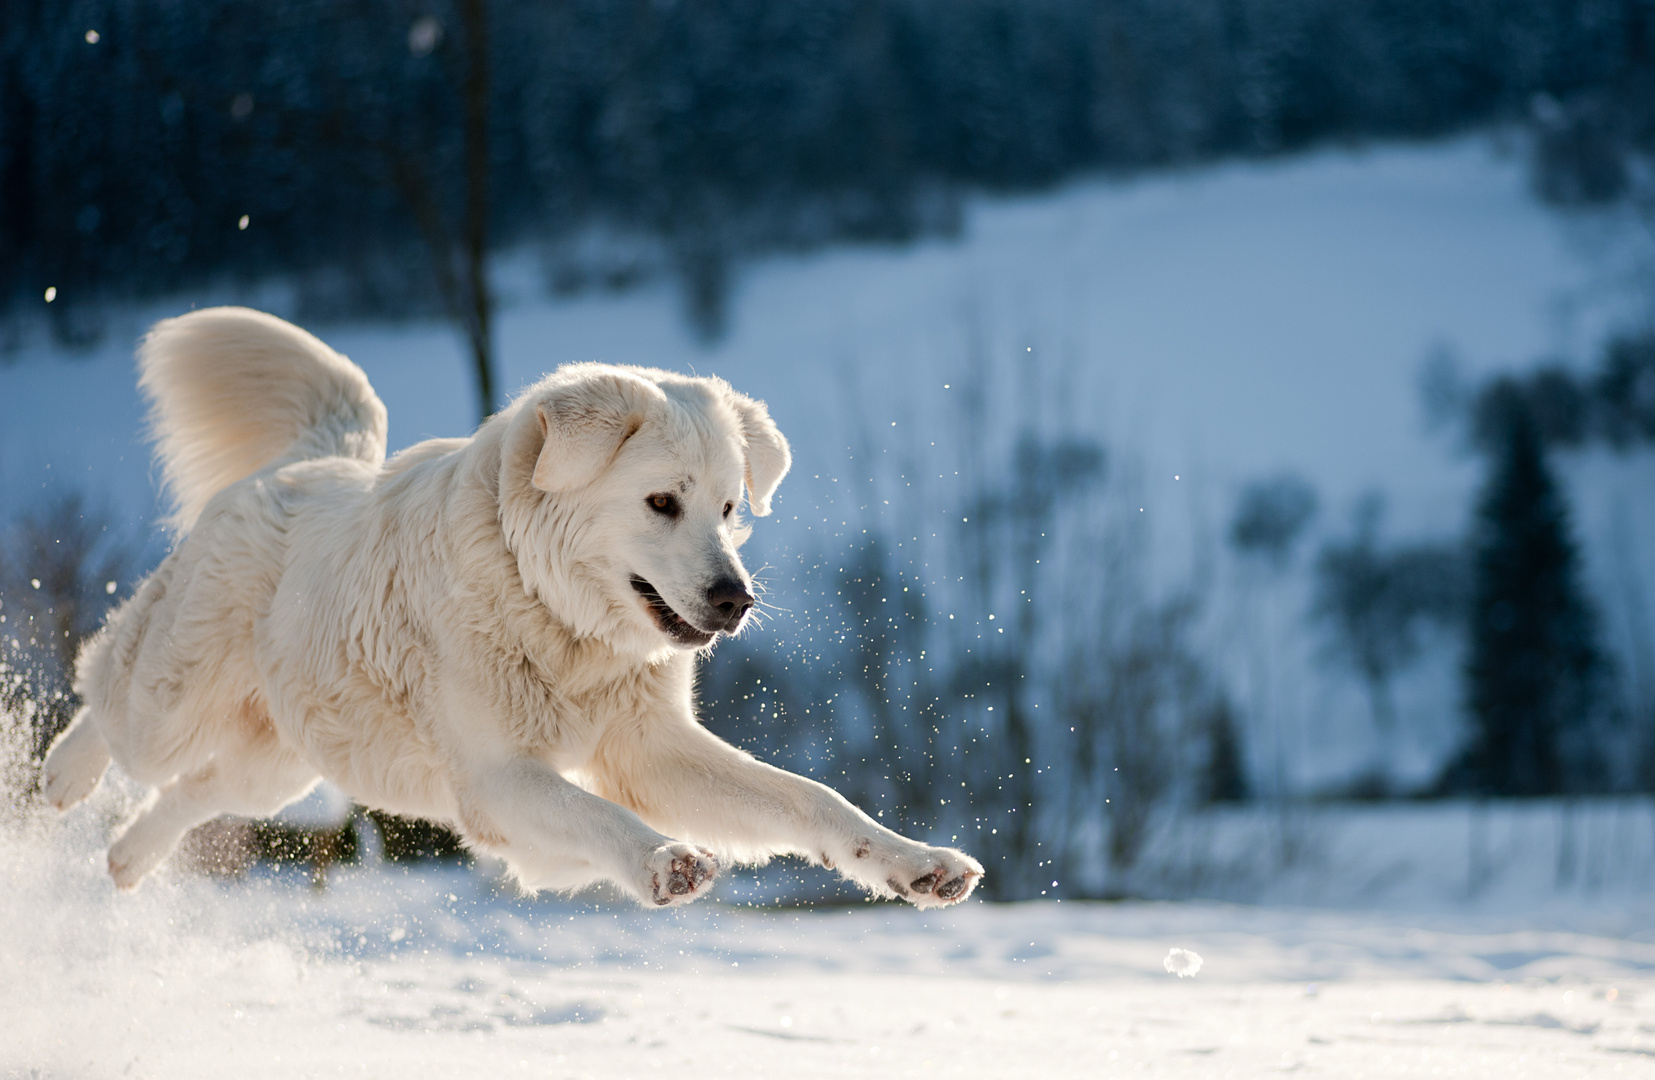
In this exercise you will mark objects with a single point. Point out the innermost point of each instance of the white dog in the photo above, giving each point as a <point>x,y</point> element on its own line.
<point>497,632</point>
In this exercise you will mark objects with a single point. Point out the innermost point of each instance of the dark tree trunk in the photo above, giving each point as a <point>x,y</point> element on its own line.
<point>477,305</point>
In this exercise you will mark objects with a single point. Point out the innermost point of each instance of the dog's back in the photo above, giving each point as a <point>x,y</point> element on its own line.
<point>233,391</point>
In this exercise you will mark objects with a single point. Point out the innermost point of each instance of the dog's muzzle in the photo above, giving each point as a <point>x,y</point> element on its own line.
<point>728,601</point>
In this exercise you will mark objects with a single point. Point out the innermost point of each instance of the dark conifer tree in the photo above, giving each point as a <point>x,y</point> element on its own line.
<point>1534,672</point>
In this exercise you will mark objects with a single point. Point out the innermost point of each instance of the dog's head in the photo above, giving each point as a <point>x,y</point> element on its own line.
<point>621,492</point>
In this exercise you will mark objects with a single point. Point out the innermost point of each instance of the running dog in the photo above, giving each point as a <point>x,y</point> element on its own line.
<point>498,632</point>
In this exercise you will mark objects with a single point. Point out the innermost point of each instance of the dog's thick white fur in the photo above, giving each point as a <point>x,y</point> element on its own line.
<point>497,632</point>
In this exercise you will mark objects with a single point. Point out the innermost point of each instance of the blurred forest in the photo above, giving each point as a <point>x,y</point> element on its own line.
<point>376,149</point>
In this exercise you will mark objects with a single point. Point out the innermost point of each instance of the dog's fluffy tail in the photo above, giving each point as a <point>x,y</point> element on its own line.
<point>233,390</point>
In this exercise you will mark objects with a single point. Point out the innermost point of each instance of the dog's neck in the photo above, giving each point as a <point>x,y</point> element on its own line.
<point>571,610</point>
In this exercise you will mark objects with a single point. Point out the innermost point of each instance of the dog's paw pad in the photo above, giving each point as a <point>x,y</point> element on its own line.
<point>947,883</point>
<point>679,873</point>
<point>925,876</point>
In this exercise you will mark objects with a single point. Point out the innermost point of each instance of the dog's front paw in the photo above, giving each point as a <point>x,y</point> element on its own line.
<point>924,876</point>
<point>677,873</point>
<point>947,877</point>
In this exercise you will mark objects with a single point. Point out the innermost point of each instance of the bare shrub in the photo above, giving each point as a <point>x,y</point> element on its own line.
<point>990,663</point>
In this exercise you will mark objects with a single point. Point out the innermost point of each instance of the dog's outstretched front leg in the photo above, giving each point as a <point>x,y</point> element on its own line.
<point>681,778</point>
<point>557,835</point>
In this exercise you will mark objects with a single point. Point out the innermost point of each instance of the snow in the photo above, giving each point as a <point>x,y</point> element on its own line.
<point>444,973</point>
<point>448,972</point>
<point>1182,963</point>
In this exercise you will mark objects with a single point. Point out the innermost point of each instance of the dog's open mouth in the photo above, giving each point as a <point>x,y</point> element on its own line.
<point>671,623</point>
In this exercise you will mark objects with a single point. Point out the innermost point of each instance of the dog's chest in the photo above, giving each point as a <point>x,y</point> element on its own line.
<point>563,715</point>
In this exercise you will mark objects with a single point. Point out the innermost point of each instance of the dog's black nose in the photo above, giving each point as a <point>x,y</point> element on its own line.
<point>730,598</point>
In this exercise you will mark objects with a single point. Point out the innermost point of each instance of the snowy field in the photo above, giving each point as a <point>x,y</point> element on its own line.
<point>443,973</point>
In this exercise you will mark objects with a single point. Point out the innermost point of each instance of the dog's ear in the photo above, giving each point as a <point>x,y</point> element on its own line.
<point>768,457</point>
<point>585,422</point>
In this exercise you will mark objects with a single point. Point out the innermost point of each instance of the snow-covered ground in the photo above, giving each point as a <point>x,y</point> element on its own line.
<point>1441,939</point>
<point>443,973</point>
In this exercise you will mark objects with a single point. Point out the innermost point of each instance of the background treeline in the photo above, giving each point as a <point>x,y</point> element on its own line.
<point>340,127</point>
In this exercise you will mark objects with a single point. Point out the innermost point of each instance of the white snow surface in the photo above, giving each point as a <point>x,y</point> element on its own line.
<point>445,973</point>
<point>1183,963</point>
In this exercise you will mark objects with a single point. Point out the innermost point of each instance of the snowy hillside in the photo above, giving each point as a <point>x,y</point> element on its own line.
<point>1225,320</point>
<point>1207,327</point>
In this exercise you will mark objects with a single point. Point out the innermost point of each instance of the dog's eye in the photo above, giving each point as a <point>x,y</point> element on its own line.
<point>664,504</point>
<point>728,507</point>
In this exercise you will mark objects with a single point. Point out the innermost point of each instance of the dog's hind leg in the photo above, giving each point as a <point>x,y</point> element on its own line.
<point>255,779</point>
<point>77,761</point>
